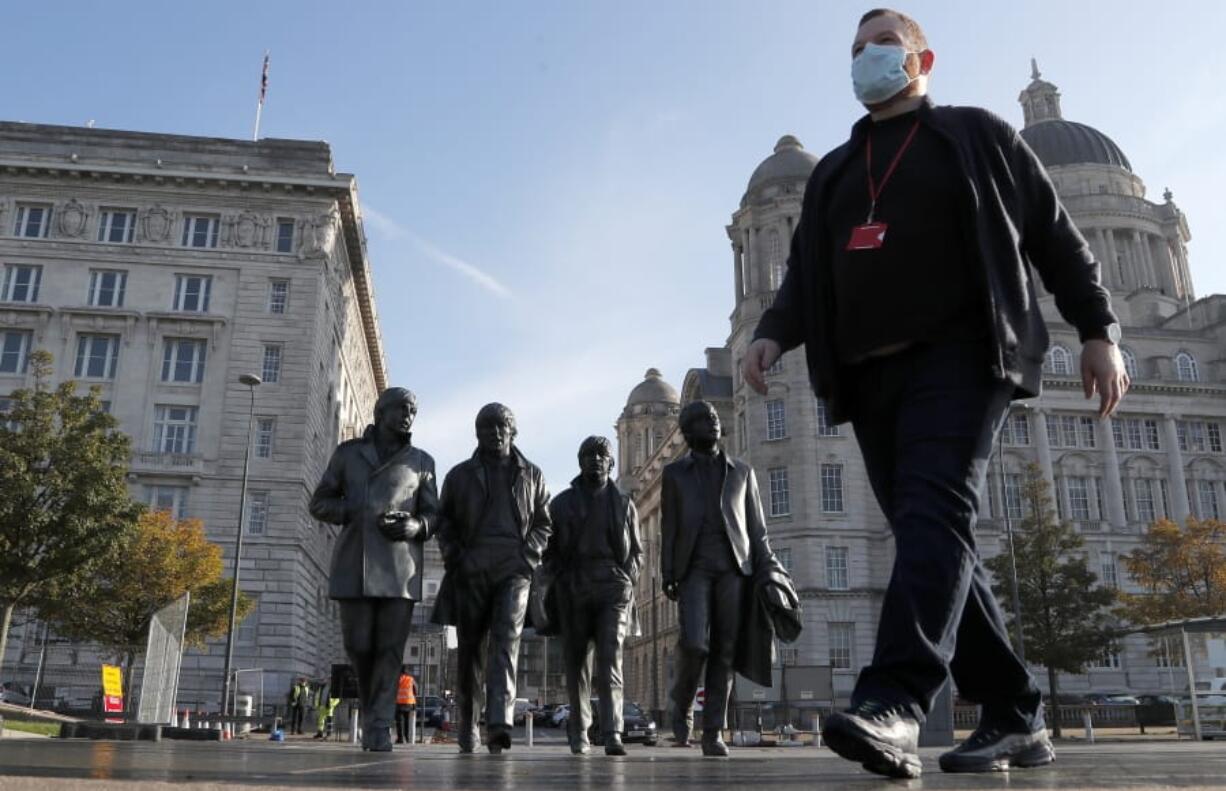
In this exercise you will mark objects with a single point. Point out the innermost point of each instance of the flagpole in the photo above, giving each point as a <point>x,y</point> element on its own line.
<point>259,107</point>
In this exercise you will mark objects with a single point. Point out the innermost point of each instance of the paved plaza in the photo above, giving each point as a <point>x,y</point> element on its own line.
<point>50,764</point>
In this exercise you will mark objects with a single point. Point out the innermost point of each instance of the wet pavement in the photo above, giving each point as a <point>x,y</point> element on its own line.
<point>52,764</point>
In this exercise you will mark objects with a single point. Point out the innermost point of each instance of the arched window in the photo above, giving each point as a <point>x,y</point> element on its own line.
<point>1185,368</point>
<point>1058,361</point>
<point>1130,362</point>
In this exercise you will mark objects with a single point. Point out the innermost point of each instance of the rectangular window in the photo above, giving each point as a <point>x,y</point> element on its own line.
<point>1053,431</point>
<point>107,287</point>
<point>824,427</point>
<point>1108,660</point>
<point>278,296</point>
<point>116,225</point>
<point>1117,432</point>
<point>265,427</point>
<point>168,498</point>
<point>1199,436</point>
<point>5,405</point>
<point>1058,497</point>
<point>1165,492</point>
<point>257,512</point>
<point>33,221</point>
<point>21,282</point>
<point>832,488</point>
<point>183,360</point>
<point>200,230</point>
<point>789,655</point>
<point>174,429</point>
<point>742,432</point>
<point>842,637</point>
<point>1085,432</point>
<point>285,235</point>
<point>1206,492</point>
<point>192,293</point>
<point>784,555</point>
<point>1151,435</point>
<point>776,422</point>
<point>1215,437</point>
<point>1013,496</point>
<point>1135,441</point>
<point>1110,573</point>
<point>97,356</point>
<point>781,504</point>
<point>1078,499</point>
<point>1016,429</point>
<point>14,351</point>
<point>270,371</point>
<point>1143,491</point>
<point>837,576</point>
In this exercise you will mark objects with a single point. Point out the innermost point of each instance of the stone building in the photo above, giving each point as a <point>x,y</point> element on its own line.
<point>1162,455</point>
<point>160,268</point>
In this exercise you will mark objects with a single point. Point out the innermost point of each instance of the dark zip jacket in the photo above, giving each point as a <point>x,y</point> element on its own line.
<point>1015,223</point>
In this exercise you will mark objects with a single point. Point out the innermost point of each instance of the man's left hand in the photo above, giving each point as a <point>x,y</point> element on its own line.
<point>398,525</point>
<point>1102,371</point>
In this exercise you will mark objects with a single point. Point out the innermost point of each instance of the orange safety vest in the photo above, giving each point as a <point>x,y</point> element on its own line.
<point>406,691</point>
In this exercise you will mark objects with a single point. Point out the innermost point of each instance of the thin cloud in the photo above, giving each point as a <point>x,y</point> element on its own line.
<point>390,229</point>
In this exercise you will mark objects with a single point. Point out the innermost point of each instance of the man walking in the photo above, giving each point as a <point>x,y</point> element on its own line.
<point>594,559</point>
<point>406,704</point>
<point>910,285</point>
<point>298,695</point>
<point>713,543</point>
<point>494,528</point>
<point>382,489</point>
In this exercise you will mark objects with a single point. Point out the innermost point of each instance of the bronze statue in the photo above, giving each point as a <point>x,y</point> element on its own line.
<point>493,529</point>
<point>382,489</point>
<point>593,563</point>
<point>715,561</point>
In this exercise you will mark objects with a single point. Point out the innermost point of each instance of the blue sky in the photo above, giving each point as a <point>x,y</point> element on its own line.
<point>546,184</point>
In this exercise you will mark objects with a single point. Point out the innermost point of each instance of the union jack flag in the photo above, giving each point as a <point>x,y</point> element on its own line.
<point>264,79</point>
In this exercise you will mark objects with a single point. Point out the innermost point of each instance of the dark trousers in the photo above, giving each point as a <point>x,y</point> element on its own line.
<point>374,631</point>
<point>710,606</point>
<point>494,603</point>
<point>296,713</point>
<point>925,419</point>
<point>403,715</point>
<point>595,611</point>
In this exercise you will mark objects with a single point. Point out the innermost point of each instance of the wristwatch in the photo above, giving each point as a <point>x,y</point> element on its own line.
<point>1110,333</point>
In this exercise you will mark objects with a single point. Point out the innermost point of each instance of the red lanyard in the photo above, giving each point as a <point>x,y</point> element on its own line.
<point>874,189</point>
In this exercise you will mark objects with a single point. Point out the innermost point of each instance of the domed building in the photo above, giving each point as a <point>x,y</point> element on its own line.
<point>650,413</point>
<point>1161,456</point>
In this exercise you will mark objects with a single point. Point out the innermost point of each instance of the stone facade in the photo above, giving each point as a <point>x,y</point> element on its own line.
<point>1161,456</point>
<point>166,266</point>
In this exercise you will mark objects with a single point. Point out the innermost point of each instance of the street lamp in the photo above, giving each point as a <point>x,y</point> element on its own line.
<point>252,381</point>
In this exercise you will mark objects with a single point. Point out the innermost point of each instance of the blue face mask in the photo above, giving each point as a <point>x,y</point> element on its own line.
<point>877,73</point>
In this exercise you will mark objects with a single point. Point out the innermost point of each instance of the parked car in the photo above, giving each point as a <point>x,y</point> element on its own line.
<point>1112,699</point>
<point>431,708</point>
<point>10,694</point>
<point>560,715</point>
<point>522,709</point>
<point>637,725</point>
<point>542,716</point>
<point>1216,687</point>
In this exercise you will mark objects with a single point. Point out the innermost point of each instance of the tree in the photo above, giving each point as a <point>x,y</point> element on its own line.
<point>155,564</point>
<point>1182,571</point>
<point>65,502</point>
<point>1066,620</point>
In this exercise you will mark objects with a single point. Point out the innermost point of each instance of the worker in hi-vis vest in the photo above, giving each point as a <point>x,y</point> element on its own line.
<point>406,704</point>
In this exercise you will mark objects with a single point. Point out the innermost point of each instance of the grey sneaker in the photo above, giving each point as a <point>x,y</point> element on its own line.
<point>990,749</point>
<point>882,737</point>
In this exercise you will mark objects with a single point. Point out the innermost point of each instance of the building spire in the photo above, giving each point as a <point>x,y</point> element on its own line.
<point>1040,100</point>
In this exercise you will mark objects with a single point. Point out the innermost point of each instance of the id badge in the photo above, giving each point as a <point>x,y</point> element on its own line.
<point>870,236</point>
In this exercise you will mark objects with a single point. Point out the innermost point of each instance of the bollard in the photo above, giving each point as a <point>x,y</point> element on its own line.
<point>353,724</point>
<point>413,728</point>
<point>528,727</point>
<point>1,726</point>
<point>1089,726</point>
<point>817,730</point>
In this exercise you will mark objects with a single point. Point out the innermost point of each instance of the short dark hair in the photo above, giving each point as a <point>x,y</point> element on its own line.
<point>914,32</point>
<point>596,443</point>
<point>394,395</point>
<point>495,413</point>
<point>692,411</point>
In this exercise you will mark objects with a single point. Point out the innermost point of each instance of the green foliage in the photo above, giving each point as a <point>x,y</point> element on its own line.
<point>1065,614</point>
<point>65,505</point>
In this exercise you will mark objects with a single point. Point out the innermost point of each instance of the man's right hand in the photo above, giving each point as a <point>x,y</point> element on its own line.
<point>671,589</point>
<point>760,356</point>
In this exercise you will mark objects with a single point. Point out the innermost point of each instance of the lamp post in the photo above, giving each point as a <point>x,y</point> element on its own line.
<point>252,381</point>
<point>1004,502</point>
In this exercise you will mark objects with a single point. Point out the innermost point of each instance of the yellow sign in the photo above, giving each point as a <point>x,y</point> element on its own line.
<point>112,680</point>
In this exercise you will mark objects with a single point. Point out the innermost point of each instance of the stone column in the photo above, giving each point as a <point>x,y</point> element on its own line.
<point>1150,265</point>
<point>1113,258</point>
<point>1143,267</point>
<point>738,262</point>
<point>747,257</point>
<point>1112,483</point>
<point>1100,249</point>
<point>1178,482</point>
<point>1044,449</point>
